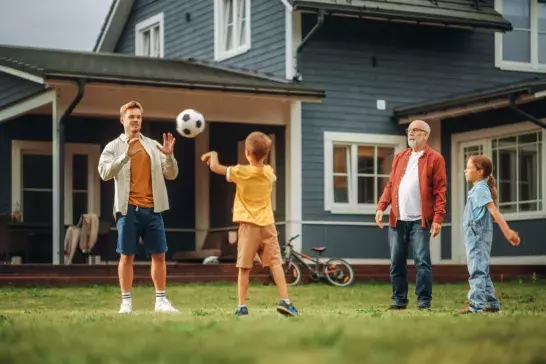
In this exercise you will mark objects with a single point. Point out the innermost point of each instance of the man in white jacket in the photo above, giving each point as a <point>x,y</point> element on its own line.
<point>139,166</point>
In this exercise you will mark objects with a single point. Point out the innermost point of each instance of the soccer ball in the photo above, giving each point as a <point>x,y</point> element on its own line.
<point>190,123</point>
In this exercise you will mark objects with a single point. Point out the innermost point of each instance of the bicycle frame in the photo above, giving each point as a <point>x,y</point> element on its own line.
<point>302,257</point>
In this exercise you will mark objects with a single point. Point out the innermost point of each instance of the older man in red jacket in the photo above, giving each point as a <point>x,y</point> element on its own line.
<point>416,192</point>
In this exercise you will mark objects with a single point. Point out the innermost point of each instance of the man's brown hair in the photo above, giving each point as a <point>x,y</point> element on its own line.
<point>130,105</point>
<point>258,145</point>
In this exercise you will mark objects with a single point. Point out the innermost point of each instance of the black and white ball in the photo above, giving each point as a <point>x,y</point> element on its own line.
<point>190,123</point>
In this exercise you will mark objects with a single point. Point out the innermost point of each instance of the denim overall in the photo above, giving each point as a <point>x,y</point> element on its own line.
<point>478,235</point>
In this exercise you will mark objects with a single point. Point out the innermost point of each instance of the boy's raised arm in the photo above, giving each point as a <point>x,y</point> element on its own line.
<point>211,159</point>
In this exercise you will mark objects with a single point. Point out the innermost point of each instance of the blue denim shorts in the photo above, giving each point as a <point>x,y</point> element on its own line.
<point>141,222</point>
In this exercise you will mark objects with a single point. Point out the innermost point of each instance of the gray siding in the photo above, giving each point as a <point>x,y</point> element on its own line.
<point>195,38</point>
<point>358,62</point>
<point>13,88</point>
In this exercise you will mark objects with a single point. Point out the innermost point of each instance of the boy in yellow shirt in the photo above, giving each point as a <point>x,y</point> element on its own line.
<point>252,210</point>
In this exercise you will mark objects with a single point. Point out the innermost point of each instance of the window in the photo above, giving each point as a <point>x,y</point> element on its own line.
<point>524,48</point>
<point>518,169</point>
<point>271,160</point>
<point>32,181</point>
<point>232,28</point>
<point>149,37</point>
<point>357,169</point>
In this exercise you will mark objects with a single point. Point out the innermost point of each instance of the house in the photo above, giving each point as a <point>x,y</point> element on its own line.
<point>473,69</point>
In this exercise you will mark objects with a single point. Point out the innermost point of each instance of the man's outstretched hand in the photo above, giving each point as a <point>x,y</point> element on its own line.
<point>168,144</point>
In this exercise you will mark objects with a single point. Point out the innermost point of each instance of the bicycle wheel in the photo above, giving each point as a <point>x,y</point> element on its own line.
<point>338,272</point>
<point>292,274</point>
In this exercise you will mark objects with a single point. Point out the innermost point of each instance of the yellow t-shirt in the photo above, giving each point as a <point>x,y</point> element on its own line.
<point>253,195</point>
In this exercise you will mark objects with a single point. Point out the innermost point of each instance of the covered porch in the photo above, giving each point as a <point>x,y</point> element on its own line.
<point>53,136</point>
<point>506,123</point>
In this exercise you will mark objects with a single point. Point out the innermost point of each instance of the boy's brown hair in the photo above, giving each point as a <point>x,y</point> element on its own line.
<point>258,145</point>
<point>130,105</point>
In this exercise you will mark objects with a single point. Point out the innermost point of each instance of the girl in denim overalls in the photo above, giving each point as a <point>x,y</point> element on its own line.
<point>479,213</point>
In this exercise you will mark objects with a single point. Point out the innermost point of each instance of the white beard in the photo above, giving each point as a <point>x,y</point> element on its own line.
<point>412,143</point>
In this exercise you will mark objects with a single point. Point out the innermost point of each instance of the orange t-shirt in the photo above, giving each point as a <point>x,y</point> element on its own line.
<point>140,192</point>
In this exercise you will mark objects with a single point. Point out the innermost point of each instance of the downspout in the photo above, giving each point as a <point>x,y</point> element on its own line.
<point>61,126</point>
<point>531,118</point>
<point>318,25</point>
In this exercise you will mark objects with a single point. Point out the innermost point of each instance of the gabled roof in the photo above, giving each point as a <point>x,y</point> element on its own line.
<point>50,64</point>
<point>477,14</point>
<point>113,25</point>
<point>526,87</point>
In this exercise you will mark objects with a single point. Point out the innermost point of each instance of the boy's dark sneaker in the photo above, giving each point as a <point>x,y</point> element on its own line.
<point>424,306</point>
<point>287,309</point>
<point>242,311</point>
<point>491,309</point>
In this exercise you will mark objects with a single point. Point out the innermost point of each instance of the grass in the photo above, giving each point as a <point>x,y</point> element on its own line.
<point>337,325</point>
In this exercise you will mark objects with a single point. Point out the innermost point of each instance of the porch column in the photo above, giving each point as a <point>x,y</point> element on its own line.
<point>294,175</point>
<point>202,189</point>
<point>58,184</point>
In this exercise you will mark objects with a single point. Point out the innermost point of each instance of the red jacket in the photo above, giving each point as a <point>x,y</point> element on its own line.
<point>432,183</point>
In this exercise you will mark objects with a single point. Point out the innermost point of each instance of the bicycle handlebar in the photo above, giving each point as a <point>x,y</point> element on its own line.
<point>293,238</point>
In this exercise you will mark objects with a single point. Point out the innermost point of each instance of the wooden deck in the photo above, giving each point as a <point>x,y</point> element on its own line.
<point>61,275</point>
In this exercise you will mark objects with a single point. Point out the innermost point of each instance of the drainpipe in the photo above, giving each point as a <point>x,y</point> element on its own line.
<point>320,22</point>
<point>58,204</point>
<point>531,118</point>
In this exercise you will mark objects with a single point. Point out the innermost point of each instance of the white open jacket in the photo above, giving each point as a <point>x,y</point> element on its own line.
<point>114,163</point>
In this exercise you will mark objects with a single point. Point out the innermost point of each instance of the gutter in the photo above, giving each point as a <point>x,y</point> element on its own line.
<point>512,99</point>
<point>318,25</point>
<point>61,126</point>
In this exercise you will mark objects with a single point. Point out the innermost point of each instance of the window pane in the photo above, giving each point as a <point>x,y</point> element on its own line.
<point>341,189</point>
<point>517,12</point>
<point>528,178</point>
<point>506,142</point>
<point>542,48</point>
<point>541,18</point>
<point>526,207</point>
<point>146,43</point>
<point>366,190</point>
<point>79,172</point>
<point>79,205</point>
<point>242,22</point>
<point>385,157</point>
<point>527,138</point>
<point>37,207</point>
<point>366,160</point>
<point>381,184</point>
<point>516,46</point>
<point>340,159</point>
<point>507,175</point>
<point>37,171</point>
<point>156,42</point>
<point>508,208</point>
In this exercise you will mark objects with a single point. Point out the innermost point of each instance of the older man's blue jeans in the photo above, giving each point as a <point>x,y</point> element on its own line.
<point>405,234</point>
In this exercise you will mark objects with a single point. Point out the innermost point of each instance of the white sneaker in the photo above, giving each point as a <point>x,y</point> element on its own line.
<point>126,307</point>
<point>164,305</point>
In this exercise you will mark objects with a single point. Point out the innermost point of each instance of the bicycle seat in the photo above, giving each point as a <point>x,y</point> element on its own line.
<point>319,249</point>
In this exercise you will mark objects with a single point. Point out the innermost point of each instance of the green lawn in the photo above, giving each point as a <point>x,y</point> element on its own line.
<point>337,325</point>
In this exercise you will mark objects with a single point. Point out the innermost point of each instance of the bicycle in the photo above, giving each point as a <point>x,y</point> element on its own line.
<point>336,270</point>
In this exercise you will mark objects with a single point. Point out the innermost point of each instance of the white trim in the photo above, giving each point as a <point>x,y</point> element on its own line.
<point>20,147</point>
<point>294,188</point>
<point>396,141</point>
<point>156,20</point>
<point>519,260</point>
<point>202,190</point>
<point>288,41</point>
<point>219,54</point>
<point>533,65</point>
<point>288,6</point>
<point>457,249</point>
<point>21,74</point>
<point>27,105</point>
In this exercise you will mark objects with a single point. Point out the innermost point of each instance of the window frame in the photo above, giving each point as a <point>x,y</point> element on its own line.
<point>219,31</point>
<point>21,147</point>
<point>357,139</point>
<point>533,65</point>
<point>144,25</point>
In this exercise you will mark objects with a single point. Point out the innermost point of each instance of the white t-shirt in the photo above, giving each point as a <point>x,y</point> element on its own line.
<point>409,195</point>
